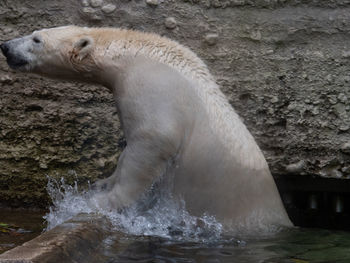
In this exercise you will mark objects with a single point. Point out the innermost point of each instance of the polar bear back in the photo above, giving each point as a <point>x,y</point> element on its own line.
<point>223,119</point>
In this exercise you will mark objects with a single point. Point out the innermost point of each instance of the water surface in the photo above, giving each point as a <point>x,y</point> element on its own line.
<point>293,246</point>
<point>165,232</point>
<point>19,226</point>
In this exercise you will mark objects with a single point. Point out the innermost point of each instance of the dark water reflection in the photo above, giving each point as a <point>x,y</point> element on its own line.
<point>19,226</point>
<point>296,246</point>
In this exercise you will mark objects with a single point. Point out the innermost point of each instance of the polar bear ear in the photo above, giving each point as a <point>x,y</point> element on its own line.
<point>82,48</point>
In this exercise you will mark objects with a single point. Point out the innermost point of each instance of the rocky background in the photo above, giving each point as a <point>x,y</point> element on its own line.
<point>284,65</point>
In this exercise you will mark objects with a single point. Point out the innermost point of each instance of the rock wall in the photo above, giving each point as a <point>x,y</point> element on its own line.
<point>284,65</point>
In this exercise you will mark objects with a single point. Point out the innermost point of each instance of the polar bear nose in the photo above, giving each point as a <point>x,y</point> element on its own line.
<point>4,48</point>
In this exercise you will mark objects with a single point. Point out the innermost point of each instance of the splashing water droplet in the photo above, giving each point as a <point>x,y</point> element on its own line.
<point>165,218</point>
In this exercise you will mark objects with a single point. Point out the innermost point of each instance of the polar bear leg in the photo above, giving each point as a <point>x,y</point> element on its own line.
<point>140,164</point>
<point>105,184</point>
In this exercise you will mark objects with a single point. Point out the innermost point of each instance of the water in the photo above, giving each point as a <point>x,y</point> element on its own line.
<point>165,232</point>
<point>19,226</point>
<point>293,246</point>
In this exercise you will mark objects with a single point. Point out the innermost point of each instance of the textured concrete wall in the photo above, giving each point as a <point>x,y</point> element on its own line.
<point>284,66</point>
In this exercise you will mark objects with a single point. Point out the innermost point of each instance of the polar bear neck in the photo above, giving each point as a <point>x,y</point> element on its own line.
<point>173,54</point>
<point>160,49</point>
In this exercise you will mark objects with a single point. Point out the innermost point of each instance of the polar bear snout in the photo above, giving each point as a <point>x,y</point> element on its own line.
<point>14,59</point>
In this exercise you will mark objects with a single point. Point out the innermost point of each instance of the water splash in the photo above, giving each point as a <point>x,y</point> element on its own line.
<point>164,218</point>
<point>67,201</point>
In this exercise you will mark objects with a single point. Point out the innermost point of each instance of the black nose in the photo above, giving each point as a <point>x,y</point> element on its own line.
<point>4,48</point>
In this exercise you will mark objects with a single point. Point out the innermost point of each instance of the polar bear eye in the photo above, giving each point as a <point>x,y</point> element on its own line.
<point>36,40</point>
<point>84,43</point>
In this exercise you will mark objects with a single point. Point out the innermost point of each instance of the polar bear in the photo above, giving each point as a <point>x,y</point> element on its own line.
<point>176,121</point>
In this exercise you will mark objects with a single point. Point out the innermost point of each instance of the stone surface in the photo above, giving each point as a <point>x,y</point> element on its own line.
<point>345,148</point>
<point>284,66</point>
<point>211,39</point>
<point>85,3</point>
<point>76,240</point>
<point>295,168</point>
<point>89,10</point>
<point>96,3</point>
<point>170,22</point>
<point>109,8</point>
<point>152,2</point>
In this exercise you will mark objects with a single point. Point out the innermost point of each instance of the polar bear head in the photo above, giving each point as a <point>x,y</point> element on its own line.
<point>62,52</point>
